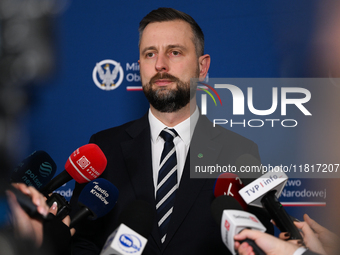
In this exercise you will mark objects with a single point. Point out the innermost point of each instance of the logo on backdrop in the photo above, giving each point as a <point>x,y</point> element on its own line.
<point>108,74</point>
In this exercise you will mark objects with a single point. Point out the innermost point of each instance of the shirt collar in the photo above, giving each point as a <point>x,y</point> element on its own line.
<point>183,128</point>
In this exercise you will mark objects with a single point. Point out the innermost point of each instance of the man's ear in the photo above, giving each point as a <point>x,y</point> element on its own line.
<point>204,64</point>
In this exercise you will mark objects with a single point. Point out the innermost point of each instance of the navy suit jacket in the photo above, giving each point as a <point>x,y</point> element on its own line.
<point>192,229</point>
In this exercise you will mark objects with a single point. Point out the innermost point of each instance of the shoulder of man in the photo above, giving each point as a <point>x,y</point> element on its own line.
<point>123,131</point>
<point>217,132</point>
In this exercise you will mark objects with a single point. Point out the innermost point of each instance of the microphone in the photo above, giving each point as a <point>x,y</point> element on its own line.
<point>228,213</point>
<point>131,235</point>
<point>83,165</point>
<point>229,184</point>
<point>36,170</point>
<point>96,199</point>
<point>26,203</point>
<point>264,192</point>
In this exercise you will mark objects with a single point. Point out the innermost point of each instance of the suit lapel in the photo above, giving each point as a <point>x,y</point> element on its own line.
<point>137,155</point>
<point>189,188</point>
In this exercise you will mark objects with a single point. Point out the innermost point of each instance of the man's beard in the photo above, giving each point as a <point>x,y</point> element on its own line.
<point>169,100</point>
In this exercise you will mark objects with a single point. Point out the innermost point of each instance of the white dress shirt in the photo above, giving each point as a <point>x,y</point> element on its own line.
<point>182,142</point>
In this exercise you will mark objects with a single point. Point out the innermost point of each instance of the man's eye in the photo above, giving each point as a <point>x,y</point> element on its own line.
<point>150,54</point>
<point>175,53</point>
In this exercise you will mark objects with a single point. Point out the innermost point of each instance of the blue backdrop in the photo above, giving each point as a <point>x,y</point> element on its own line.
<point>246,39</point>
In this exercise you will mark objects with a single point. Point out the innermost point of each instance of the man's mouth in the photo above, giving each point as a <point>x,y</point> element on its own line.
<point>163,79</point>
<point>163,82</point>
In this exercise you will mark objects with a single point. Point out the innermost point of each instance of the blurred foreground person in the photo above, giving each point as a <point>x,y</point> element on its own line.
<point>41,235</point>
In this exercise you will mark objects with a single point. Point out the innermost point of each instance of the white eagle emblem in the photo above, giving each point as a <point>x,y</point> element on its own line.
<point>107,76</point>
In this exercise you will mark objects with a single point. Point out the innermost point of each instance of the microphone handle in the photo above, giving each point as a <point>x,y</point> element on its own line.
<point>26,204</point>
<point>257,250</point>
<point>56,182</point>
<point>83,213</point>
<point>282,219</point>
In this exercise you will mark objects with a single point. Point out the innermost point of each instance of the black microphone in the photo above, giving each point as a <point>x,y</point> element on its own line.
<point>280,216</point>
<point>36,170</point>
<point>264,192</point>
<point>229,214</point>
<point>26,203</point>
<point>96,199</point>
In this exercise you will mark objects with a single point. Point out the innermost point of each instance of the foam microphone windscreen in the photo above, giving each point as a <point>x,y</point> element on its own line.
<point>100,196</point>
<point>83,165</point>
<point>222,203</point>
<point>229,184</point>
<point>139,216</point>
<point>36,170</point>
<point>86,163</point>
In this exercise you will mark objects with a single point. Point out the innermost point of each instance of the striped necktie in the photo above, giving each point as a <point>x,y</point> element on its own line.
<point>167,182</point>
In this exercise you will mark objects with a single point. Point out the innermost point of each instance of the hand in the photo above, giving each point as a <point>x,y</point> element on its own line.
<point>67,220</point>
<point>25,226</point>
<point>329,240</point>
<point>310,239</point>
<point>268,243</point>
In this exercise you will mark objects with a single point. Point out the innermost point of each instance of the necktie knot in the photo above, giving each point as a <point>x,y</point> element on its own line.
<point>168,134</point>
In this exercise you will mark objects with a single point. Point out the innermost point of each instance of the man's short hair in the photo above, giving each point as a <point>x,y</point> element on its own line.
<point>170,14</point>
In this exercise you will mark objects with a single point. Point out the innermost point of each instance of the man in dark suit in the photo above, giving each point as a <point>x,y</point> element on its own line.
<point>171,53</point>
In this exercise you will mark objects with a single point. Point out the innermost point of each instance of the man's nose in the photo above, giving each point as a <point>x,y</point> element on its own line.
<point>162,63</point>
